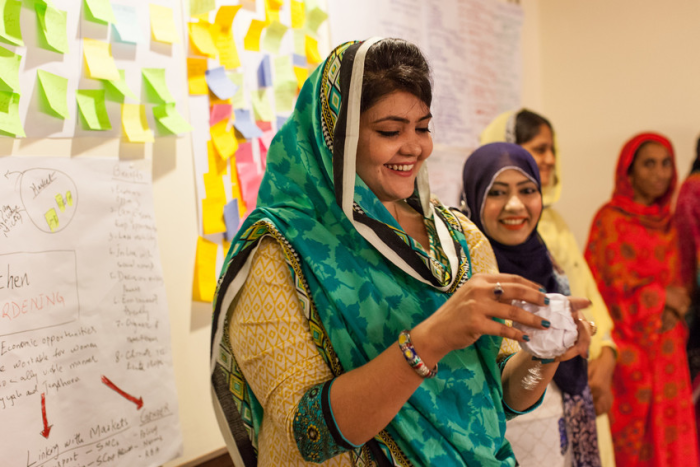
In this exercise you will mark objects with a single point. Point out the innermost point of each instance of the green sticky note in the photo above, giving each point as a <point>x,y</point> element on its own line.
<point>273,36</point>
<point>299,42</point>
<point>170,120</point>
<point>9,70</point>
<point>99,11</point>
<point>156,90</point>
<point>238,99</point>
<point>55,89</point>
<point>117,89</point>
<point>10,123</point>
<point>10,30</point>
<point>285,84</point>
<point>314,17</point>
<point>91,103</point>
<point>199,7</point>
<point>261,105</point>
<point>53,33</point>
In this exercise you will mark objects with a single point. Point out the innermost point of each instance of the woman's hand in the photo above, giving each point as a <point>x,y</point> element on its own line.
<point>600,373</point>
<point>677,300</point>
<point>469,314</point>
<point>669,319</point>
<point>580,347</point>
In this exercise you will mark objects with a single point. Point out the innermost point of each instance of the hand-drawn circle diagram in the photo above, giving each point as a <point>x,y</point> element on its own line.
<point>50,197</point>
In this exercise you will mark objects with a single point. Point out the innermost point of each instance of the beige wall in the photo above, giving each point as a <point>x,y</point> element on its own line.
<point>610,69</point>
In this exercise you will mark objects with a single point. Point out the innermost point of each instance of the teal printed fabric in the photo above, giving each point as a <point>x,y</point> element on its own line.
<point>357,301</point>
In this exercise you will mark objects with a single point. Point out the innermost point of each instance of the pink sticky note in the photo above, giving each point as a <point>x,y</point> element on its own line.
<point>266,138</point>
<point>246,171</point>
<point>264,126</point>
<point>250,191</point>
<point>219,112</point>
<point>245,153</point>
<point>263,153</point>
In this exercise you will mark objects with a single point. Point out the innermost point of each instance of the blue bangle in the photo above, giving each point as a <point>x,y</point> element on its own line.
<point>409,353</point>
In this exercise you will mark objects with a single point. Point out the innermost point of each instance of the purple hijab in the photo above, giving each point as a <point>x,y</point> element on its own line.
<point>530,259</point>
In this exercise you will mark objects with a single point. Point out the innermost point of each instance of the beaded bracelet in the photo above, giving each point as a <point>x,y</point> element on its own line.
<point>409,353</point>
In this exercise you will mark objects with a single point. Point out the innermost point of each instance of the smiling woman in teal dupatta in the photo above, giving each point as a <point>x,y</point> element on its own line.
<point>358,280</point>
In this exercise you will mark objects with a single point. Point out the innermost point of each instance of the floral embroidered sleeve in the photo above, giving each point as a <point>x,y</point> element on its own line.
<point>273,345</point>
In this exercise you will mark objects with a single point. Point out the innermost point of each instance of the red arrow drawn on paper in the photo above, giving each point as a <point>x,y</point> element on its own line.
<point>47,427</point>
<point>138,402</point>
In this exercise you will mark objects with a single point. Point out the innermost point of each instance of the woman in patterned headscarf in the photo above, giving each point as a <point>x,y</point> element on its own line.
<point>344,253</point>
<point>633,254</point>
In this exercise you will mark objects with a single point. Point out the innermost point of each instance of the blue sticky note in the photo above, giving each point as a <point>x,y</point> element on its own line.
<point>219,83</point>
<point>231,219</point>
<point>300,60</point>
<point>281,121</point>
<point>126,25</point>
<point>265,73</point>
<point>245,124</point>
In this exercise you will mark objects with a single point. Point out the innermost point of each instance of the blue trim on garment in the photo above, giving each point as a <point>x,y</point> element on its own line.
<point>315,431</point>
<point>511,413</point>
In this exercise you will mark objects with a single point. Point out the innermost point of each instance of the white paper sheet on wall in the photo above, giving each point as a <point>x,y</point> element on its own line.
<point>86,373</point>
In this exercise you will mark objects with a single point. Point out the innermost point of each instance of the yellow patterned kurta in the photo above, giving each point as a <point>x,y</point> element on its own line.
<point>273,346</point>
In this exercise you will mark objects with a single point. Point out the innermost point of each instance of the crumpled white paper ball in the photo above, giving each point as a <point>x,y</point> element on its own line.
<point>559,337</point>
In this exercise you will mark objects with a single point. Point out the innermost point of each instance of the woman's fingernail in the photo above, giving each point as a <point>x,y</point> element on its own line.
<point>546,323</point>
<point>543,290</point>
<point>546,300</point>
<point>547,360</point>
<point>526,338</point>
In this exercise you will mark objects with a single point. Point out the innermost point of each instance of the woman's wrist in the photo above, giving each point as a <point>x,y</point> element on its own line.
<point>428,344</point>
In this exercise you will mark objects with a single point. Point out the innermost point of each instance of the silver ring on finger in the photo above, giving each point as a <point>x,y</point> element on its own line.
<point>498,291</point>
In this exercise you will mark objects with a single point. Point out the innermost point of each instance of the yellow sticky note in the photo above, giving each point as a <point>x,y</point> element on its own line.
<point>298,14</point>
<point>275,4</point>
<point>224,141</point>
<point>135,125</point>
<point>225,16</point>
<point>252,38</point>
<point>299,42</point>
<point>213,215</point>
<point>236,189</point>
<point>201,38</point>
<point>238,99</point>
<point>226,45</point>
<point>312,54</point>
<point>301,73</point>
<point>196,76</point>
<point>99,60</point>
<point>69,198</point>
<point>59,201</point>
<point>204,283</point>
<point>163,24</point>
<point>273,36</point>
<point>272,13</point>
<point>52,219</point>
<point>217,165</point>
<point>214,186</point>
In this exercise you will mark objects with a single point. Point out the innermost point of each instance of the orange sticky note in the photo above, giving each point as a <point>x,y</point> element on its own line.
<point>217,165</point>
<point>213,215</point>
<point>236,189</point>
<point>204,283</point>
<point>224,141</point>
<point>312,54</point>
<point>196,76</point>
<point>225,16</point>
<point>201,39</point>
<point>252,38</point>
<point>214,186</point>
<point>163,24</point>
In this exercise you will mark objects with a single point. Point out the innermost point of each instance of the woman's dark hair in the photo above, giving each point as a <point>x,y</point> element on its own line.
<point>395,65</point>
<point>527,126</point>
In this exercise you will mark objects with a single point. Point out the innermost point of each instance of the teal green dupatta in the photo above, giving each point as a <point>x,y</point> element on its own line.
<point>360,280</point>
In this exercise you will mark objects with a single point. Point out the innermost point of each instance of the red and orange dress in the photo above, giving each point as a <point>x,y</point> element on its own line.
<point>633,254</point>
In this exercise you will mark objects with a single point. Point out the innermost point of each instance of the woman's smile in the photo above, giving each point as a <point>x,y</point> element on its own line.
<point>514,223</point>
<point>401,170</point>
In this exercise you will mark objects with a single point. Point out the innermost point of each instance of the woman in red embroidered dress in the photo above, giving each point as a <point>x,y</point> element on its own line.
<point>633,254</point>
